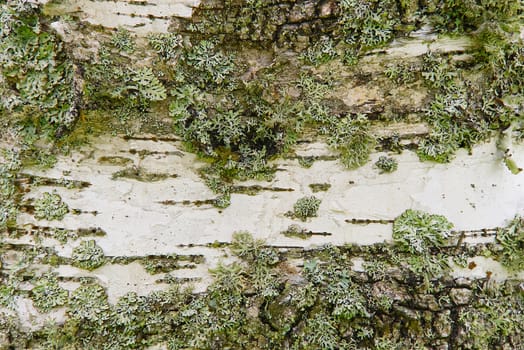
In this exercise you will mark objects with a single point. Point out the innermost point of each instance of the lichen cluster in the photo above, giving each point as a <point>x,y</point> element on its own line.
<point>88,255</point>
<point>238,112</point>
<point>511,240</point>
<point>386,164</point>
<point>306,207</point>
<point>36,76</point>
<point>10,164</point>
<point>241,83</point>
<point>265,301</point>
<point>50,207</point>
<point>47,294</point>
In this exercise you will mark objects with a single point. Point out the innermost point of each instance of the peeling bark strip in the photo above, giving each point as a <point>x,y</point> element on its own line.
<point>142,16</point>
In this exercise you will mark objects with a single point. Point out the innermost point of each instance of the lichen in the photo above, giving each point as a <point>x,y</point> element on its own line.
<point>88,255</point>
<point>511,240</point>
<point>324,304</point>
<point>306,207</point>
<point>386,164</point>
<point>419,236</point>
<point>416,232</point>
<point>8,191</point>
<point>50,207</point>
<point>47,294</point>
<point>237,116</point>
<point>296,231</point>
<point>122,40</point>
<point>36,81</point>
<point>167,46</point>
<point>89,305</point>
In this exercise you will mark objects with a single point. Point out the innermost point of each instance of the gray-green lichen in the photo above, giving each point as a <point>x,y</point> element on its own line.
<point>511,240</point>
<point>306,207</point>
<point>261,301</point>
<point>416,231</point>
<point>37,77</point>
<point>88,255</point>
<point>386,164</point>
<point>9,195</point>
<point>50,207</point>
<point>47,294</point>
<point>238,116</point>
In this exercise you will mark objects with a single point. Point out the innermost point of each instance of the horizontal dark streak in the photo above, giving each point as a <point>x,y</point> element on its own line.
<point>144,152</point>
<point>152,138</point>
<point>188,202</point>
<point>258,188</point>
<point>36,180</point>
<point>368,221</point>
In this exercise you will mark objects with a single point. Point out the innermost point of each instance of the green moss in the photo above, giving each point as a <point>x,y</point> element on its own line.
<point>50,207</point>
<point>320,187</point>
<point>88,255</point>
<point>139,174</point>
